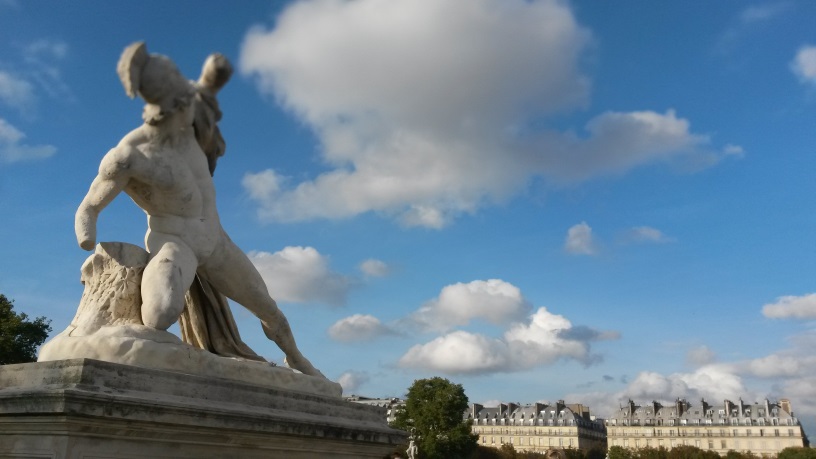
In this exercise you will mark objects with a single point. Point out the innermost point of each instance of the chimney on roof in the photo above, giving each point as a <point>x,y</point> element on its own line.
<point>785,404</point>
<point>475,408</point>
<point>741,408</point>
<point>511,407</point>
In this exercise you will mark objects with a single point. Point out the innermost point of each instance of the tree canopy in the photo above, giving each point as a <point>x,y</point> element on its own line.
<point>20,337</point>
<point>433,413</point>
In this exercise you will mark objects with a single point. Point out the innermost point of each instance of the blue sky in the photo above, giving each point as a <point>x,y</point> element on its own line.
<point>539,200</point>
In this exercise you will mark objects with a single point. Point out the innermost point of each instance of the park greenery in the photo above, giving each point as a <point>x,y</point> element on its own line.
<point>617,452</point>
<point>19,336</point>
<point>433,415</point>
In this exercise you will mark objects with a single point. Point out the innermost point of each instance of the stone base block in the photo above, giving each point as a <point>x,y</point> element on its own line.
<point>84,408</point>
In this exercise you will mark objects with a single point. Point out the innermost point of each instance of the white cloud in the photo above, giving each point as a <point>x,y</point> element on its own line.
<point>424,108</point>
<point>351,381</point>
<point>712,382</point>
<point>647,234</point>
<point>543,340</point>
<point>358,327</point>
<point>700,355</point>
<point>759,13</point>
<point>746,22</point>
<point>493,300</point>
<point>579,240</point>
<point>375,268</point>
<point>804,64</point>
<point>15,92</point>
<point>12,148</point>
<point>733,150</point>
<point>800,307</point>
<point>788,373</point>
<point>301,275</point>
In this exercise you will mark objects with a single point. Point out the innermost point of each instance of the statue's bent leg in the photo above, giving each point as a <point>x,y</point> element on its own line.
<point>166,279</point>
<point>231,272</point>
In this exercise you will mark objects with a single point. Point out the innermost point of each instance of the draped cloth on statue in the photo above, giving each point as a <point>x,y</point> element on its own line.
<point>207,323</point>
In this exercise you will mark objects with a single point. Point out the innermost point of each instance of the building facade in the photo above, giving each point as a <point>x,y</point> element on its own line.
<point>763,428</point>
<point>389,405</point>
<point>537,427</point>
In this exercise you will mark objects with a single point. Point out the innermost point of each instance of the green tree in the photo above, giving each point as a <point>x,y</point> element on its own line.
<point>619,452</point>
<point>653,453</point>
<point>596,453</point>
<point>572,453</point>
<point>433,413</point>
<point>20,337</point>
<point>691,452</point>
<point>797,453</point>
<point>731,454</point>
<point>508,451</point>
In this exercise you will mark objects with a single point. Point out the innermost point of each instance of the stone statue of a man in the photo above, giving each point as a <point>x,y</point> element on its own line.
<point>162,167</point>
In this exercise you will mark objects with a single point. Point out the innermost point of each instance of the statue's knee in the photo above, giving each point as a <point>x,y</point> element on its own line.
<point>161,308</point>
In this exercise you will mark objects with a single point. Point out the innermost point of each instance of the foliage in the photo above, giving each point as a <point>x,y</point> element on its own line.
<point>20,337</point>
<point>508,451</point>
<point>681,452</point>
<point>486,452</point>
<point>797,453</point>
<point>596,453</point>
<point>619,452</point>
<point>691,452</point>
<point>731,454</point>
<point>653,453</point>
<point>433,413</point>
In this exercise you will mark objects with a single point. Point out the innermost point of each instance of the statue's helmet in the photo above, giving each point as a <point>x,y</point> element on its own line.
<point>155,78</point>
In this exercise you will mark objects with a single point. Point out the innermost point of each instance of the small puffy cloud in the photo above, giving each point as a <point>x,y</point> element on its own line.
<point>15,92</point>
<point>494,300</point>
<point>733,150</point>
<point>646,234</point>
<point>262,185</point>
<point>358,327</point>
<point>799,307</point>
<point>804,64</point>
<point>36,72</point>
<point>746,22</point>
<point>541,341</point>
<point>423,150</point>
<point>579,240</point>
<point>375,268</point>
<point>301,275</point>
<point>351,381</point>
<point>12,148</point>
<point>700,355</point>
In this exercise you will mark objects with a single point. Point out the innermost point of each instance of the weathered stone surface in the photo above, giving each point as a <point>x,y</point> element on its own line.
<point>86,408</point>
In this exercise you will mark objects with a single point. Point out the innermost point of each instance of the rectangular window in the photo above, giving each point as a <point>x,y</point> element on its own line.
<point>711,444</point>
<point>723,444</point>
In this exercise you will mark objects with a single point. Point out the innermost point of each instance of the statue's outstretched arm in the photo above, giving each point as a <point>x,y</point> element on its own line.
<point>105,187</point>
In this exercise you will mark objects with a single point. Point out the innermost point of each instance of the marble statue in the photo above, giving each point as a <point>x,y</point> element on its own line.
<point>412,449</point>
<point>165,166</point>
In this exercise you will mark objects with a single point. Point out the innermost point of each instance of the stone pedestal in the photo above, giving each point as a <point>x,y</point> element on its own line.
<point>84,408</point>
